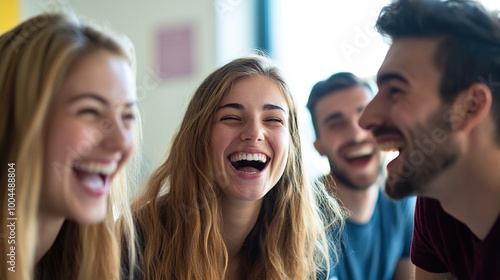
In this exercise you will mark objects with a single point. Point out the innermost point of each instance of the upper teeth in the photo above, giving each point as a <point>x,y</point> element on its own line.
<point>391,146</point>
<point>249,157</point>
<point>95,167</point>
<point>365,151</point>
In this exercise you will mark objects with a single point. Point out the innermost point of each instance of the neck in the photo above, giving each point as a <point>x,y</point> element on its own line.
<point>239,219</point>
<point>474,203</point>
<point>470,191</point>
<point>479,215</point>
<point>48,229</point>
<point>360,203</point>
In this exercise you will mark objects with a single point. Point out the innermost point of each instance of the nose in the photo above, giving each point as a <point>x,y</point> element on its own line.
<point>253,131</point>
<point>117,136</point>
<point>374,114</point>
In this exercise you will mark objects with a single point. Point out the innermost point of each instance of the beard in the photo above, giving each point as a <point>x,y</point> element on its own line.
<point>414,176</point>
<point>343,179</point>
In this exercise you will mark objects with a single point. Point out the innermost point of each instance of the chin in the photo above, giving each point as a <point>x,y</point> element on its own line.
<point>248,194</point>
<point>365,181</point>
<point>90,215</point>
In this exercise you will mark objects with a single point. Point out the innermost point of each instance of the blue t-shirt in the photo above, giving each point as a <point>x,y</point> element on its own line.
<point>372,250</point>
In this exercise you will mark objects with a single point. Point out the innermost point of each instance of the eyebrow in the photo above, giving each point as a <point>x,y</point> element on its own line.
<point>98,98</point>
<point>238,106</point>
<point>269,107</point>
<point>384,78</point>
<point>332,117</point>
<point>339,115</point>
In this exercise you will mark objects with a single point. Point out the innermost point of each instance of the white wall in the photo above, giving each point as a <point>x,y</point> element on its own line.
<point>236,28</point>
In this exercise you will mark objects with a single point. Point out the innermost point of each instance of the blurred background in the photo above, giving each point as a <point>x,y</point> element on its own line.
<point>179,42</point>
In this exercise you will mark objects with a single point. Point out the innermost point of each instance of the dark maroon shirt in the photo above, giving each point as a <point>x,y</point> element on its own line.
<point>443,244</point>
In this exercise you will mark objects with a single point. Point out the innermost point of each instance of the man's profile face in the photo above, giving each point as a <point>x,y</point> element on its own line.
<point>407,115</point>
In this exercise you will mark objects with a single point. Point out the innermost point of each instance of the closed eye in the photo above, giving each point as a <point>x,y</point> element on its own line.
<point>335,125</point>
<point>274,119</point>
<point>230,118</point>
<point>88,111</point>
<point>394,92</point>
<point>129,117</point>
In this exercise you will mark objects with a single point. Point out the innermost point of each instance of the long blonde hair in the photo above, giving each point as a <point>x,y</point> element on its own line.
<point>35,57</point>
<point>178,214</point>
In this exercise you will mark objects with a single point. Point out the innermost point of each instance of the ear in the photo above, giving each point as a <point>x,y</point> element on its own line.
<point>318,147</point>
<point>472,107</point>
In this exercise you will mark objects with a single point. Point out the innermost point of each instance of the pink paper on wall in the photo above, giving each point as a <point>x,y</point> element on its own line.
<point>175,51</point>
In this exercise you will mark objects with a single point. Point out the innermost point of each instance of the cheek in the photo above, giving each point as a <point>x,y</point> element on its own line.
<point>332,142</point>
<point>282,144</point>
<point>408,114</point>
<point>61,149</point>
<point>220,140</point>
<point>67,141</point>
<point>56,142</point>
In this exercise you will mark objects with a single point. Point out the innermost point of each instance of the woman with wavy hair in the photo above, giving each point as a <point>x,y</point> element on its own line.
<point>231,200</point>
<point>67,110</point>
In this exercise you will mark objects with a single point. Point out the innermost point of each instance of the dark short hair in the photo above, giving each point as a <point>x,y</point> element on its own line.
<point>334,83</point>
<point>469,48</point>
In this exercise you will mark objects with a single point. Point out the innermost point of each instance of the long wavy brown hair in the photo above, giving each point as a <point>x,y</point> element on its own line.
<point>35,57</point>
<point>178,213</point>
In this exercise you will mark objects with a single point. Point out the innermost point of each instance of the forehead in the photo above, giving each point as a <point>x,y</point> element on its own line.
<point>349,99</point>
<point>255,90</point>
<point>100,72</point>
<point>413,59</point>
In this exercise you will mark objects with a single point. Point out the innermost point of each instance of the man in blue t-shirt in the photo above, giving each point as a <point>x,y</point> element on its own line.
<point>376,241</point>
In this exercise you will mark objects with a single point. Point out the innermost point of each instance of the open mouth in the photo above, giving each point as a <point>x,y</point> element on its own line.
<point>249,163</point>
<point>94,176</point>
<point>359,156</point>
<point>394,146</point>
<point>391,145</point>
<point>389,139</point>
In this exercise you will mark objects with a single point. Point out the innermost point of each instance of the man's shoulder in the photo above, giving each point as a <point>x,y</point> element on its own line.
<point>406,204</point>
<point>429,207</point>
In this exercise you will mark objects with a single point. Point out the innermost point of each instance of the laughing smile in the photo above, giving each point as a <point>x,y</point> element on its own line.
<point>249,162</point>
